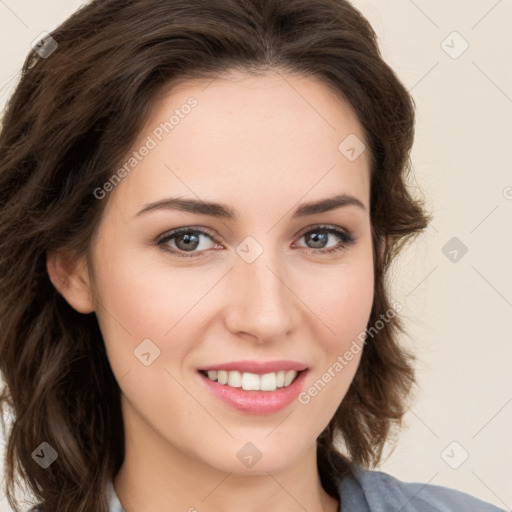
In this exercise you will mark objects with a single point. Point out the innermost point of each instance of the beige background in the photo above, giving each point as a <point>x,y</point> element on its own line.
<point>459,313</point>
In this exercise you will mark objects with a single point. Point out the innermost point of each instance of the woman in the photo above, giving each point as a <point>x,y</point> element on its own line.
<point>200,201</point>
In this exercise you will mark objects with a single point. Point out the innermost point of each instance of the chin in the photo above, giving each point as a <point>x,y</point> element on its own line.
<point>256,458</point>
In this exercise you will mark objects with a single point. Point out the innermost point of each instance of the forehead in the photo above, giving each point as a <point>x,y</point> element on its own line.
<point>245,140</point>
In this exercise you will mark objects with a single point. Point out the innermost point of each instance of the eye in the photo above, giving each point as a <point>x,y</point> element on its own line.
<point>319,236</point>
<point>187,240</point>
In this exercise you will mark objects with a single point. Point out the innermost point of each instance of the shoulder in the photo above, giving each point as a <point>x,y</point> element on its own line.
<point>375,491</point>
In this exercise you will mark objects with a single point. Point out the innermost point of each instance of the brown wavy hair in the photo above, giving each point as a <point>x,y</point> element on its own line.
<point>72,118</point>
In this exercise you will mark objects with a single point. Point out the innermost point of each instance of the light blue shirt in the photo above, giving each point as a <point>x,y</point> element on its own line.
<point>374,491</point>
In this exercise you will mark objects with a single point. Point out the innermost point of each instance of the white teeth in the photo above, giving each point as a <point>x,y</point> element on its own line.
<point>290,375</point>
<point>250,382</point>
<point>235,379</point>
<point>253,382</point>
<point>268,382</point>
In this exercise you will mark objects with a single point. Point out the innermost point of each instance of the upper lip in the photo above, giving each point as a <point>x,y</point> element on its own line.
<point>258,367</point>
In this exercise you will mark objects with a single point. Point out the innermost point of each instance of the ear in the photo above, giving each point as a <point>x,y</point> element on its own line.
<point>69,275</point>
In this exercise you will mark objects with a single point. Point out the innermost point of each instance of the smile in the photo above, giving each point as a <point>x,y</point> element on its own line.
<point>254,393</point>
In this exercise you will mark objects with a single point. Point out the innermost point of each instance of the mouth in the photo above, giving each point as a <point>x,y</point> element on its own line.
<point>255,393</point>
<point>248,381</point>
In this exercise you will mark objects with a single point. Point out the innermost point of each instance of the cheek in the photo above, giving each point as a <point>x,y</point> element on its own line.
<point>342,300</point>
<point>344,307</point>
<point>147,299</point>
<point>136,304</point>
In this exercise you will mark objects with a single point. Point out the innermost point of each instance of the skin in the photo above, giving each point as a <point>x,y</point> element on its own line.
<point>262,145</point>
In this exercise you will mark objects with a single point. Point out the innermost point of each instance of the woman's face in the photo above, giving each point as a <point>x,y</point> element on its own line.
<point>256,287</point>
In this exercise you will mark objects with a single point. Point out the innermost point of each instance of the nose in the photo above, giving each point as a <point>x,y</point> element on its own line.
<point>263,301</point>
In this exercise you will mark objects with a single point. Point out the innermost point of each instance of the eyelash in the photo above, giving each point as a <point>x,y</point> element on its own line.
<point>347,239</point>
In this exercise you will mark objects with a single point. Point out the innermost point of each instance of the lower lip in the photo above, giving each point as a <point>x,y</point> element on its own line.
<point>256,402</point>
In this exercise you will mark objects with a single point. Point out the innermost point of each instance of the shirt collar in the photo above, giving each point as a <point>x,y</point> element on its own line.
<point>113,500</point>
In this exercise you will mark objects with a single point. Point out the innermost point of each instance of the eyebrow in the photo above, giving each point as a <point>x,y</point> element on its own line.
<point>223,211</point>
